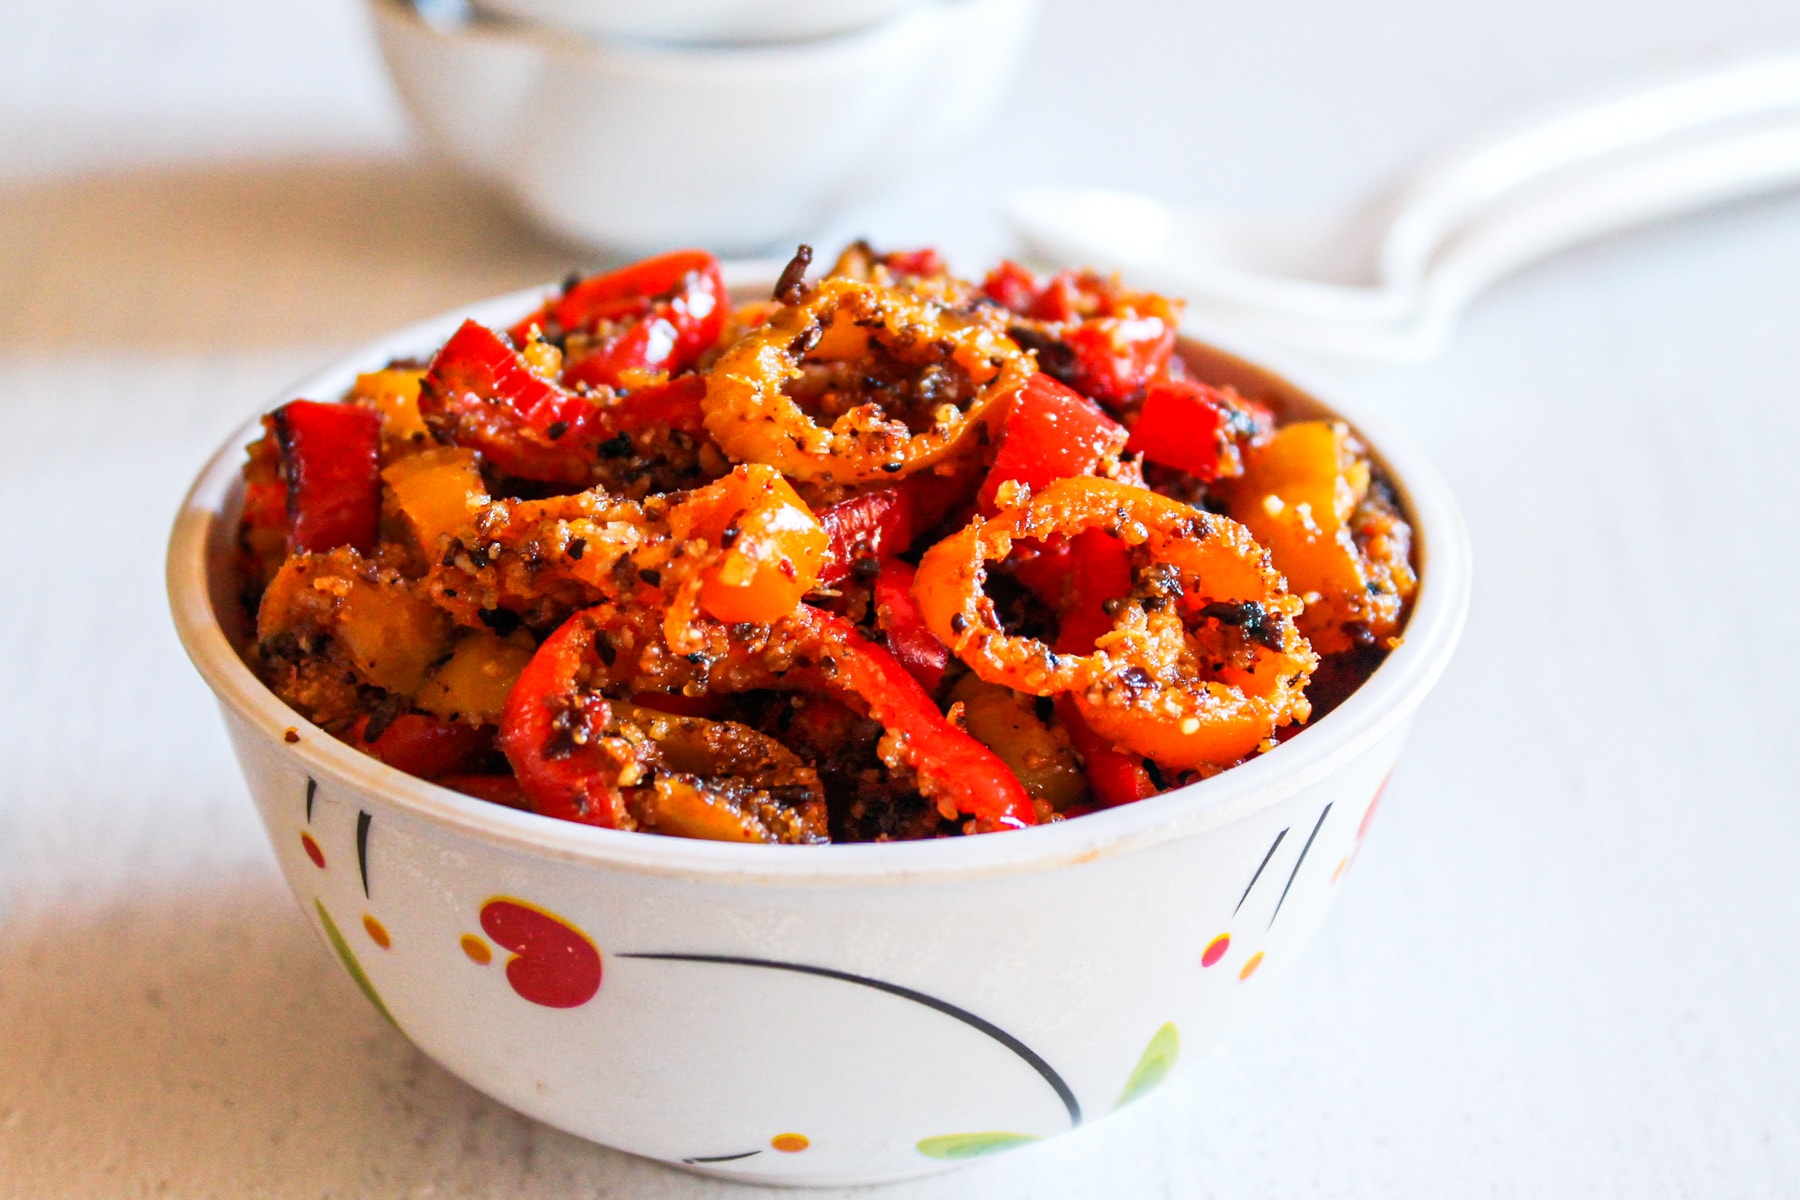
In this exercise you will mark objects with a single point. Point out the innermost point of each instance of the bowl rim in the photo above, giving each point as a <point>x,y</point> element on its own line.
<point>1382,704</point>
<point>910,29</point>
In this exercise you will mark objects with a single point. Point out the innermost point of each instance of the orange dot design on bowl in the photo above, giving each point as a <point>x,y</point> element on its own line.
<point>1215,950</point>
<point>312,850</point>
<point>1250,965</point>
<point>377,931</point>
<point>790,1143</point>
<point>477,950</point>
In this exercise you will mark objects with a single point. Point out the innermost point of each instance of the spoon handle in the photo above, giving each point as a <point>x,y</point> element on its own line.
<point>1456,187</point>
<point>1679,179</point>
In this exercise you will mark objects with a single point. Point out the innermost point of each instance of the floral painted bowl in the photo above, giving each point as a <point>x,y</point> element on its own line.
<point>816,1015</point>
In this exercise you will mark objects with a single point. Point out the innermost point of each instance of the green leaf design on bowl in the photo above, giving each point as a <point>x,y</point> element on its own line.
<point>348,958</point>
<point>972,1145</point>
<point>1154,1065</point>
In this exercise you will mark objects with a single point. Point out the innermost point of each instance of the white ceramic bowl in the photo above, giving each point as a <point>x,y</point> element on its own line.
<point>834,1014</point>
<point>707,21</point>
<point>633,147</point>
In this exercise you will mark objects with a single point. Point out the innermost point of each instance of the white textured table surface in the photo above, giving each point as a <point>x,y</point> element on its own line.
<point>1568,965</point>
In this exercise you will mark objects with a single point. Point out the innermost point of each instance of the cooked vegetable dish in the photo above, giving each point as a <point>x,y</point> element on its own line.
<point>889,555</point>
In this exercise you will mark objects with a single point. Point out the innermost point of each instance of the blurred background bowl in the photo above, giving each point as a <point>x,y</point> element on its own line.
<point>631,147</point>
<point>708,21</point>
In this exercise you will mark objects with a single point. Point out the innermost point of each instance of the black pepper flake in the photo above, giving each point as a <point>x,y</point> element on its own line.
<point>805,340</point>
<point>1135,679</point>
<point>556,429</point>
<point>382,717</point>
<point>501,620</point>
<point>729,538</point>
<point>1248,615</point>
<point>576,548</point>
<point>893,468</point>
<point>958,622</point>
<point>617,446</point>
<point>650,575</point>
<point>1055,357</point>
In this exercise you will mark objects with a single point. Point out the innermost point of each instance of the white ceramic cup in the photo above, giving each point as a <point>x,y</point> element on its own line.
<point>633,147</point>
<point>816,1015</point>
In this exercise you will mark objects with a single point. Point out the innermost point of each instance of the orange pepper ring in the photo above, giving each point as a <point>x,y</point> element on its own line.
<point>751,418</point>
<point>1200,723</point>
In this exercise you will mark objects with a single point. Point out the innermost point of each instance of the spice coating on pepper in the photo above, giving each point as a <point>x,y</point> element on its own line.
<point>892,555</point>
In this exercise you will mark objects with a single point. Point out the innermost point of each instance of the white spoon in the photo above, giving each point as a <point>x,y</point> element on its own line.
<point>1390,281</point>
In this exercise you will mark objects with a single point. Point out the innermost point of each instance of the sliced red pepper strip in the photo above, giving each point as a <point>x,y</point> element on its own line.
<point>1095,567</point>
<point>1180,426</point>
<point>626,292</point>
<point>951,766</point>
<point>490,400</point>
<point>1114,777</point>
<point>330,454</point>
<point>675,306</point>
<point>660,278</point>
<point>495,789</point>
<point>1196,428</point>
<point>545,714</point>
<point>1011,285</point>
<point>1117,357</point>
<point>707,707</point>
<point>885,521</point>
<point>909,639</point>
<point>1058,300</point>
<point>481,392</point>
<point>673,405</point>
<point>1050,432</point>
<point>1107,343</point>
<point>1043,566</point>
<point>914,262</point>
<point>1099,567</point>
<point>424,745</point>
<point>868,524</point>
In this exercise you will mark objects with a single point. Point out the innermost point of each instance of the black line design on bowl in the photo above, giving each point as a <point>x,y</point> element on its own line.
<point>1290,879</point>
<point>362,849</point>
<point>1031,1057</point>
<point>1259,870</point>
<point>719,1158</point>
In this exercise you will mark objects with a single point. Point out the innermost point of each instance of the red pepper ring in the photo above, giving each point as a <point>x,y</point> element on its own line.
<point>553,730</point>
<point>1150,685</point>
<point>950,766</point>
<point>752,419</point>
<point>581,757</point>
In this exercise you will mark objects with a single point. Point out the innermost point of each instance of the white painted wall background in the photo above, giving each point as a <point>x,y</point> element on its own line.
<point>1566,963</point>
